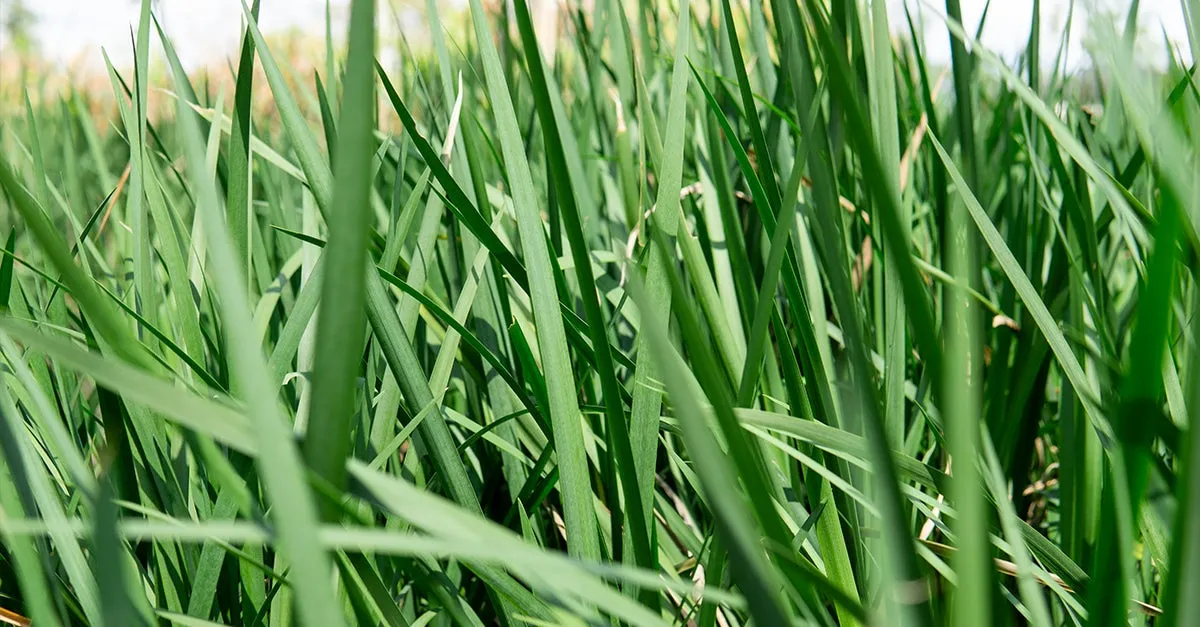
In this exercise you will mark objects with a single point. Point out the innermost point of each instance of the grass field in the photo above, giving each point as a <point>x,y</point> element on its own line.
<point>725,314</point>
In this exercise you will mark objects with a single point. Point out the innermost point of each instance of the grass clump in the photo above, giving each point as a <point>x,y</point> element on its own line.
<point>718,314</point>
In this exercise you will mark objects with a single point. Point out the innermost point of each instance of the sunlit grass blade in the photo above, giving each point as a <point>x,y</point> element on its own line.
<point>1029,296</point>
<point>903,568</point>
<point>31,480</point>
<point>646,405</point>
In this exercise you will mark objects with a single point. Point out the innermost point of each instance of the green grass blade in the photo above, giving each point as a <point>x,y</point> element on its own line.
<point>753,574</point>
<point>582,539</point>
<point>617,430</point>
<point>237,192</point>
<point>646,406</point>
<point>294,511</point>
<point>341,322</point>
<point>1028,295</point>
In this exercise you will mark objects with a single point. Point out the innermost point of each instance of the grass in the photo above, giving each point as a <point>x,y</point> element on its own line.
<point>721,314</point>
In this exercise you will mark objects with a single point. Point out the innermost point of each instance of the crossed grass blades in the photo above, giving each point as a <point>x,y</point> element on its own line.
<point>698,313</point>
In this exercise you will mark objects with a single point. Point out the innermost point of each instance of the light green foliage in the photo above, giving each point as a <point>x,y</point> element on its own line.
<point>665,313</point>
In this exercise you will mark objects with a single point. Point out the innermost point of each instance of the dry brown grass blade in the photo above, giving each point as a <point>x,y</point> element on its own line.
<point>910,152</point>
<point>843,202</point>
<point>112,202</point>
<point>862,263</point>
<point>13,618</point>
<point>1008,568</point>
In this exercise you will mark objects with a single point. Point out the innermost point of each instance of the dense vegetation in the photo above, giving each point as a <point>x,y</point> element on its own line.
<point>719,314</point>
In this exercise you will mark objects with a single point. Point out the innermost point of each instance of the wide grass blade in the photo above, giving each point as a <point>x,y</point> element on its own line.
<point>341,319</point>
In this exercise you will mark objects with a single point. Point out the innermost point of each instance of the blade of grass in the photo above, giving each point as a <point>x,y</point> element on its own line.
<point>1029,297</point>
<point>294,512</point>
<point>753,574</point>
<point>647,397</point>
<point>616,429</point>
<point>341,323</point>
<point>575,485</point>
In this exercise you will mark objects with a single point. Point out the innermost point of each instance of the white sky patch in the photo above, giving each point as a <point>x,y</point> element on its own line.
<point>208,31</point>
<point>1007,28</point>
<point>202,31</point>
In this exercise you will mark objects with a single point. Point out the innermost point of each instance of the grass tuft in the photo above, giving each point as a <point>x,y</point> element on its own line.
<point>646,313</point>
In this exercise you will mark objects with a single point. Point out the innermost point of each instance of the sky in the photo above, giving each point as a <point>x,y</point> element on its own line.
<point>207,31</point>
<point>203,31</point>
